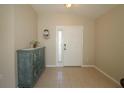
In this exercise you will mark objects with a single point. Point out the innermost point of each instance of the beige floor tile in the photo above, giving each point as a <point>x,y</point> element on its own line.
<point>74,77</point>
<point>47,84</point>
<point>76,84</point>
<point>64,84</point>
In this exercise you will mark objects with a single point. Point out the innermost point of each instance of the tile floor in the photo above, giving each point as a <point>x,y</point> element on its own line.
<point>74,77</point>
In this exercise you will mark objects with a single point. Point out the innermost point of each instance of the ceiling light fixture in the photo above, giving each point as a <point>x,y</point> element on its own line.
<point>68,5</point>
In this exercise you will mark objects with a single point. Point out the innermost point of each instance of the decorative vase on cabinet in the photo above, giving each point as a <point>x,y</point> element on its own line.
<point>31,64</point>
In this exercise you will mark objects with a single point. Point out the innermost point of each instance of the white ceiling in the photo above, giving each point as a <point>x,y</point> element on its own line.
<point>89,10</point>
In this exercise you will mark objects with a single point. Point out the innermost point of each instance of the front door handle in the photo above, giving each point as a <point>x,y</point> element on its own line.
<point>65,47</point>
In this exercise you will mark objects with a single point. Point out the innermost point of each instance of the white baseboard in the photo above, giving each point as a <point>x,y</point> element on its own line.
<point>50,65</point>
<point>63,66</point>
<point>102,73</point>
<point>87,65</point>
<point>107,75</point>
<point>59,65</point>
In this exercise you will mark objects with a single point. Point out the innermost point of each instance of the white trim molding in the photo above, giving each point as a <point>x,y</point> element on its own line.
<point>87,66</point>
<point>98,69</point>
<point>51,66</point>
<point>107,75</point>
<point>60,65</point>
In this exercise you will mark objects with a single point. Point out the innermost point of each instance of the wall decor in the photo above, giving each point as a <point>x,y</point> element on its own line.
<point>46,33</point>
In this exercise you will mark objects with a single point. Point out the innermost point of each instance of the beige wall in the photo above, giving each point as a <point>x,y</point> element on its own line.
<point>50,21</point>
<point>7,58</point>
<point>25,26</point>
<point>110,43</point>
<point>18,26</point>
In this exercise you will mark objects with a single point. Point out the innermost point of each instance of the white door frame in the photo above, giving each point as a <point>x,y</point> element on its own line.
<point>60,28</point>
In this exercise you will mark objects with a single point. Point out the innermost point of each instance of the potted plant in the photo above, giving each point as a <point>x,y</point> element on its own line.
<point>34,43</point>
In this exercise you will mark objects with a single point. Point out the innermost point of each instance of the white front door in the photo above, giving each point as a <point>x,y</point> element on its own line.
<point>72,45</point>
<point>72,39</point>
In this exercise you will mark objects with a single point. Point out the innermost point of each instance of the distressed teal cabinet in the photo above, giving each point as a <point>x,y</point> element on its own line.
<point>31,64</point>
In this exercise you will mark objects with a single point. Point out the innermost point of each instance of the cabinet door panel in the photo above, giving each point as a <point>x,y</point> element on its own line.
<point>25,66</point>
